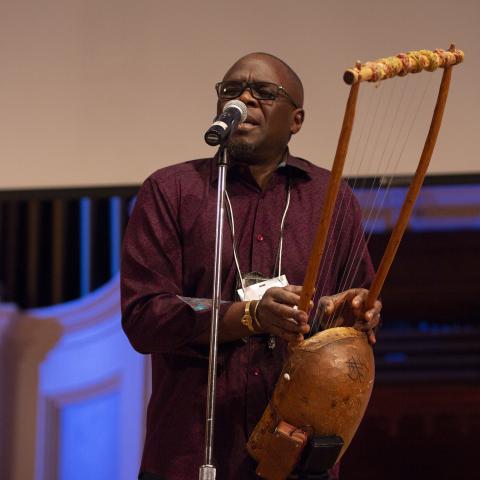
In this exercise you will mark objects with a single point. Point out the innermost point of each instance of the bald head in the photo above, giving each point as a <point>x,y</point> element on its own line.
<point>288,78</point>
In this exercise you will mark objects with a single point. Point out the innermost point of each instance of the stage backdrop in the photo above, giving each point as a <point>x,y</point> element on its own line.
<point>103,93</point>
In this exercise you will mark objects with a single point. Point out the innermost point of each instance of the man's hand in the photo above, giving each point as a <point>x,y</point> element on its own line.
<point>277,313</point>
<point>348,309</point>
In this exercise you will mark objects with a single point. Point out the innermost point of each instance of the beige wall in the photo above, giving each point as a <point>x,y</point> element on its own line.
<point>104,92</point>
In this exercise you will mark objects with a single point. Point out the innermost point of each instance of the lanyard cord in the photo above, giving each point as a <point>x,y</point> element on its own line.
<point>232,229</point>
<point>278,261</point>
<point>282,225</point>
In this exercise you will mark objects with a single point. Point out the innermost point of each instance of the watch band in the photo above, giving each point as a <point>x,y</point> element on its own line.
<point>247,318</point>
<point>256,321</point>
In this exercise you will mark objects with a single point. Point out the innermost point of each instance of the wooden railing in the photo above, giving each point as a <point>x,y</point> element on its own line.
<point>59,245</point>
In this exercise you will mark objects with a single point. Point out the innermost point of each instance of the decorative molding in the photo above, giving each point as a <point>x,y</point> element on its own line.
<point>52,406</point>
<point>99,307</point>
<point>92,358</point>
<point>43,351</point>
<point>8,313</point>
<point>26,343</point>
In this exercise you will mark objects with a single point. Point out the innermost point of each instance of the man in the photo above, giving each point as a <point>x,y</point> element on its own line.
<point>168,261</point>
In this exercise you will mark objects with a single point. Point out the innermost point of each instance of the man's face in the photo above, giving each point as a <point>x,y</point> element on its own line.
<point>269,124</point>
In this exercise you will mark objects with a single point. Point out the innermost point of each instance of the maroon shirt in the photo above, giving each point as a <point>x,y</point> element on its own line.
<point>168,250</point>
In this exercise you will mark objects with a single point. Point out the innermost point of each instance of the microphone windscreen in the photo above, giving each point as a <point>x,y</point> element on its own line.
<point>237,104</point>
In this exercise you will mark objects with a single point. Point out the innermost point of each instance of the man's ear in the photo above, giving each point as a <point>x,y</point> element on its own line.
<point>297,121</point>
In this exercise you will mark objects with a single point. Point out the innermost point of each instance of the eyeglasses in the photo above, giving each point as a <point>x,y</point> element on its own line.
<point>259,90</point>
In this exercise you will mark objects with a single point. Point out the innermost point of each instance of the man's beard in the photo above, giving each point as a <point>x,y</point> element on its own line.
<point>239,151</point>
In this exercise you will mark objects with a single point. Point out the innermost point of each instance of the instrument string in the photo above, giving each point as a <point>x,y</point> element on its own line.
<point>357,252</point>
<point>364,137</point>
<point>372,210</point>
<point>377,118</point>
<point>397,162</point>
<point>377,206</point>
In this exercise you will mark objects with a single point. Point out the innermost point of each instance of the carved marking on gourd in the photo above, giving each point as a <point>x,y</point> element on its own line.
<point>356,369</point>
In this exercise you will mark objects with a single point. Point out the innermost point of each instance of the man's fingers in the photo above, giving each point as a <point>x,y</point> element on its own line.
<point>375,320</point>
<point>341,298</point>
<point>280,310</point>
<point>287,336</point>
<point>327,304</point>
<point>357,302</point>
<point>367,322</point>
<point>278,313</point>
<point>284,295</point>
<point>286,325</point>
<point>359,298</point>
<point>330,307</point>
<point>290,325</point>
<point>272,316</point>
<point>293,288</point>
<point>372,315</point>
<point>282,302</point>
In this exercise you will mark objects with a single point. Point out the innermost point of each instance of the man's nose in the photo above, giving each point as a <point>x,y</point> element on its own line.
<point>247,98</point>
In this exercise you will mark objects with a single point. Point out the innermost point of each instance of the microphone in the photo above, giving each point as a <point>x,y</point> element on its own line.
<point>234,112</point>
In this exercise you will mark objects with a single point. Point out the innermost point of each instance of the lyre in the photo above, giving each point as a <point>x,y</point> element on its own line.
<point>339,361</point>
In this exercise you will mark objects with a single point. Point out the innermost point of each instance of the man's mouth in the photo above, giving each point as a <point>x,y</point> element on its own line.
<point>248,124</point>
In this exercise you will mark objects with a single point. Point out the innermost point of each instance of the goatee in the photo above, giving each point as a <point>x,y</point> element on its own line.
<point>241,151</point>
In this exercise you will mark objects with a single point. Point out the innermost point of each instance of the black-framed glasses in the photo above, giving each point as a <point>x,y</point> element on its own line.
<point>259,90</point>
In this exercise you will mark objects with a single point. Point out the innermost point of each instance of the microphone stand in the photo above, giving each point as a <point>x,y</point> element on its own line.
<point>208,470</point>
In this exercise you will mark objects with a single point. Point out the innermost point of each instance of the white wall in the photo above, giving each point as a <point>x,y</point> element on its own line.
<point>93,92</point>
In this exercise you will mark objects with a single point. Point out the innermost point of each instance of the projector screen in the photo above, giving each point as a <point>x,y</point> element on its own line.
<point>102,93</point>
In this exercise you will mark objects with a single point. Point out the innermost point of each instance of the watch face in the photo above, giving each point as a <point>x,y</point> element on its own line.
<point>247,318</point>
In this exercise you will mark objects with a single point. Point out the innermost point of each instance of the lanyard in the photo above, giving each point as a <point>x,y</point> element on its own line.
<point>278,261</point>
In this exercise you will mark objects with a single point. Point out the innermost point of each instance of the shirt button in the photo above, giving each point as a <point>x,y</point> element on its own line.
<point>260,237</point>
<point>256,372</point>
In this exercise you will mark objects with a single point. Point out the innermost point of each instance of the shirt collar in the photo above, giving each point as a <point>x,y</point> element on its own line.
<point>298,166</point>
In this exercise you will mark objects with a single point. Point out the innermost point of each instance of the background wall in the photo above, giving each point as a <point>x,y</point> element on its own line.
<point>92,94</point>
<point>103,93</point>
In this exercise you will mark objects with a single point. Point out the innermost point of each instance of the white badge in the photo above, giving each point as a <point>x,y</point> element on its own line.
<point>256,291</point>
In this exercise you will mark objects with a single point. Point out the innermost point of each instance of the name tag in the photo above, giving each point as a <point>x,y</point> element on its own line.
<point>256,291</point>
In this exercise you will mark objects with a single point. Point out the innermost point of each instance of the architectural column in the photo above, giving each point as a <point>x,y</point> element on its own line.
<point>26,342</point>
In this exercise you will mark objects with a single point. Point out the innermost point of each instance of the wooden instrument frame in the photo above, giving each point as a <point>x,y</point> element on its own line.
<point>318,248</point>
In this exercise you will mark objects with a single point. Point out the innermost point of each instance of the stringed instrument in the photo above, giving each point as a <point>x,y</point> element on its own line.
<point>327,381</point>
